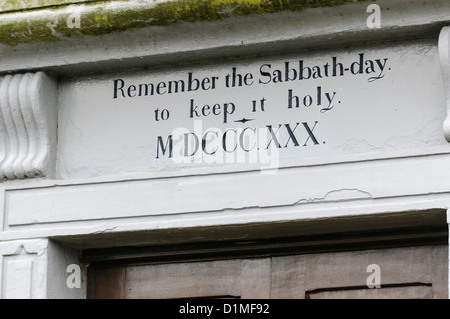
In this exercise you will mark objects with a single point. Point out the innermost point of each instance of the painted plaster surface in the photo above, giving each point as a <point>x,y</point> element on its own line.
<point>313,108</point>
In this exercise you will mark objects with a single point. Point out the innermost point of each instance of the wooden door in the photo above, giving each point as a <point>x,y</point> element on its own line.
<point>405,272</point>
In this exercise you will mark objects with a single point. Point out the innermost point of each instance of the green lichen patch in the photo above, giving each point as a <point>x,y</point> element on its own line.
<point>14,33</point>
<point>18,5</point>
<point>98,18</point>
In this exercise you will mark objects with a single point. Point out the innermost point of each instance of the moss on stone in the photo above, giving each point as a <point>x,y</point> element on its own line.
<point>18,5</point>
<point>97,19</point>
<point>14,33</point>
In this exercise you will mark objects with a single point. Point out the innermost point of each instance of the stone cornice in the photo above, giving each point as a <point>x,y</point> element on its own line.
<point>20,5</point>
<point>27,37</point>
<point>48,22</point>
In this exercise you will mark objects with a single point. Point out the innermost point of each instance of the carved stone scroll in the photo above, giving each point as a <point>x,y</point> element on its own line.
<point>28,122</point>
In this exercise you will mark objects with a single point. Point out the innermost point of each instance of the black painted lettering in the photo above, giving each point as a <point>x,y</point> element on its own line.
<point>187,144</point>
<point>206,110</point>
<point>305,72</point>
<point>273,136</point>
<point>168,146</point>
<point>144,89</point>
<point>175,86</point>
<point>193,84</point>
<point>291,135</point>
<point>288,72</point>
<point>206,85</point>
<point>131,90</point>
<point>193,109</point>
<point>242,137</point>
<point>293,98</point>
<point>337,65</point>
<point>224,140</point>
<point>216,109</point>
<point>310,133</point>
<point>228,108</point>
<point>161,88</point>
<point>118,85</point>
<point>204,142</point>
<point>265,74</point>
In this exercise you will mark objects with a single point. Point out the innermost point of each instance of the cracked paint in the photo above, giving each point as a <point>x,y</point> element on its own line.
<point>338,195</point>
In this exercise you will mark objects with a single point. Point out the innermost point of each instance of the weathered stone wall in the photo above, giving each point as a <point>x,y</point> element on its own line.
<point>98,184</point>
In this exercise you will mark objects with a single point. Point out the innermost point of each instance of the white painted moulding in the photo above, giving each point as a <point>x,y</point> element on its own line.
<point>28,106</point>
<point>444,54</point>
<point>300,191</point>
<point>23,269</point>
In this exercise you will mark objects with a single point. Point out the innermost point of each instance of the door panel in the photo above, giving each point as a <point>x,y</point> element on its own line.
<point>397,266</point>
<point>239,278</point>
<point>409,272</point>
<point>405,292</point>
